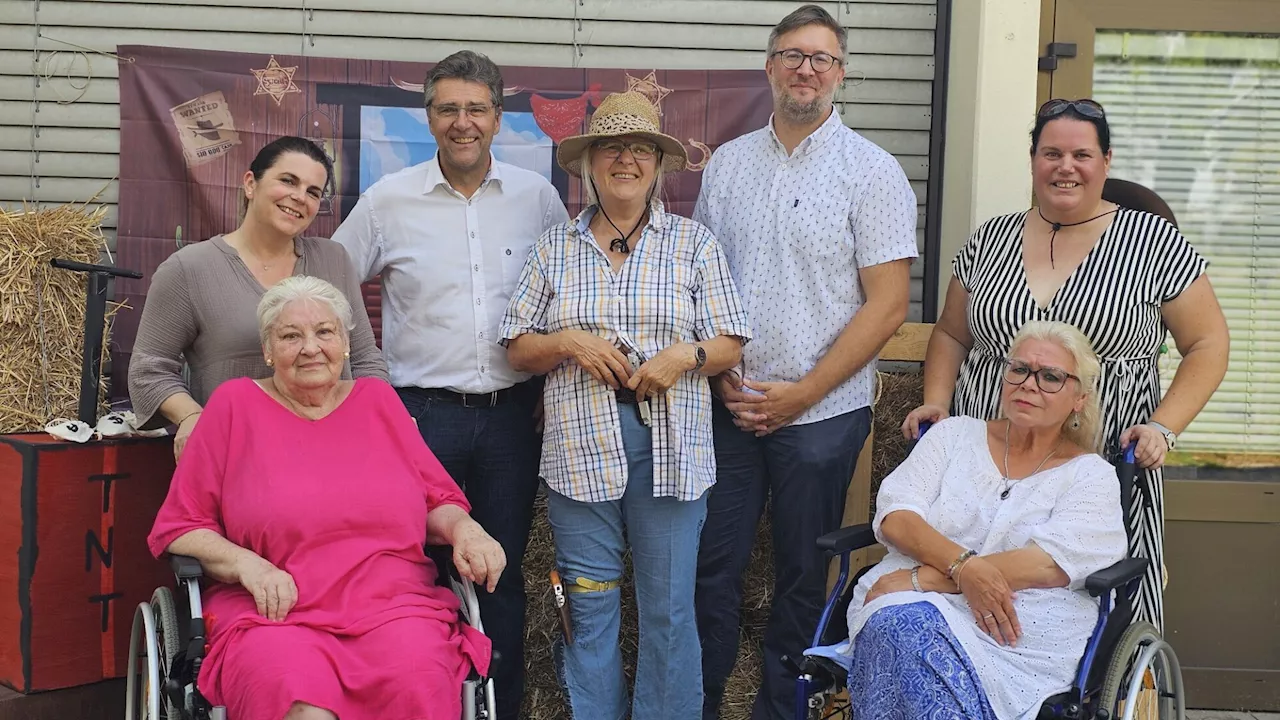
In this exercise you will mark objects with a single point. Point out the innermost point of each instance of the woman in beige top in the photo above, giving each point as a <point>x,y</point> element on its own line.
<point>200,308</point>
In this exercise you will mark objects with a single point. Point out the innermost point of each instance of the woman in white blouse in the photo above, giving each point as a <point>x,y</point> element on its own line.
<point>979,608</point>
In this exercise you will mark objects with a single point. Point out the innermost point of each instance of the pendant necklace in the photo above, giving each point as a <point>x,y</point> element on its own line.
<point>1008,481</point>
<point>1058,226</point>
<point>621,243</point>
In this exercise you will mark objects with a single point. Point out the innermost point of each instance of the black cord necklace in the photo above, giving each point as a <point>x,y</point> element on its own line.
<point>621,243</point>
<point>1058,226</point>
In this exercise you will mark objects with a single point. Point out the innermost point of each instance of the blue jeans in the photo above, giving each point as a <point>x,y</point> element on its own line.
<point>492,453</point>
<point>663,535</point>
<point>806,469</point>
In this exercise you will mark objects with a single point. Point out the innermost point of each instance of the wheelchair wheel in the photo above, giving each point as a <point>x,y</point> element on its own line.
<point>1144,679</point>
<point>167,642</point>
<point>142,685</point>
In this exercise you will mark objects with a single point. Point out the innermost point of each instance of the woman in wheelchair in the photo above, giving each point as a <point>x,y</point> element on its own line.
<point>978,610</point>
<point>308,500</point>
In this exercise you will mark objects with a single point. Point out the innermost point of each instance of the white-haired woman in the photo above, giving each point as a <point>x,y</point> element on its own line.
<point>627,309</point>
<point>307,499</point>
<point>978,610</point>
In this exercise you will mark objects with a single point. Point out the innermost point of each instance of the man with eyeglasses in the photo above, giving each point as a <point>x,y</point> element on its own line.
<point>819,228</point>
<point>450,237</point>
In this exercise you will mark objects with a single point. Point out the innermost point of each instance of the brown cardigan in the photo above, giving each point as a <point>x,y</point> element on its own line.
<point>201,309</point>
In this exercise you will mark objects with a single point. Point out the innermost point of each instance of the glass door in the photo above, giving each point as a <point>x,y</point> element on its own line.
<point>1192,92</point>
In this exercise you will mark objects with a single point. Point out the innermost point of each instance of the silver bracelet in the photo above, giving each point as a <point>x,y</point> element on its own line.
<point>915,579</point>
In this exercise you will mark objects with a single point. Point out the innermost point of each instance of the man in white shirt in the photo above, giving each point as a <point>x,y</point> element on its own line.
<point>450,237</point>
<point>819,228</point>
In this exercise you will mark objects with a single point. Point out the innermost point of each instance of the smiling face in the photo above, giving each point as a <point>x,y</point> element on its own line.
<point>802,95</point>
<point>306,345</point>
<point>463,121</point>
<point>1069,168</point>
<point>624,177</point>
<point>1028,405</point>
<point>287,196</point>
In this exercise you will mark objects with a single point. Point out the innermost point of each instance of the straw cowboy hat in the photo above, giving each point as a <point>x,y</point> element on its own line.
<point>619,114</point>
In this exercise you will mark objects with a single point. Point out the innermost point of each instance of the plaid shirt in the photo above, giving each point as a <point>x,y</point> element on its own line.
<point>674,287</point>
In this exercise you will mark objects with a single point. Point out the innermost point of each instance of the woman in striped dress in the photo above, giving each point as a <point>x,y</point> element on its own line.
<point>1121,276</point>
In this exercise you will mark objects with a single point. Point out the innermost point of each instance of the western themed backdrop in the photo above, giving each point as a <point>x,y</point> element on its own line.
<point>191,122</point>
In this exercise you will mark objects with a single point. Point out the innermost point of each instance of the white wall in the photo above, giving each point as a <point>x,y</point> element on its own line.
<point>991,103</point>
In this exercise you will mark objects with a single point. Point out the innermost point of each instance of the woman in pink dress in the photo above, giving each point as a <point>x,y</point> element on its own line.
<point>307,499</point>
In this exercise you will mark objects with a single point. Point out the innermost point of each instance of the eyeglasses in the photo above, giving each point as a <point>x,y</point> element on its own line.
<point>475,112</point>
<point>1057,106</point>
<point>640,150</point>
<point>819,61</point>
<point>1048,379</point>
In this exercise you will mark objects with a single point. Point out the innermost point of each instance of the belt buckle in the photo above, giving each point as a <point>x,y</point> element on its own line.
<point>489,400</point>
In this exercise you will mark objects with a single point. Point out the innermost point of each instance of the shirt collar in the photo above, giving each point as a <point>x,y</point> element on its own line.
<point>657,218</point>
<point>435,176</point>
<point>815,139</point>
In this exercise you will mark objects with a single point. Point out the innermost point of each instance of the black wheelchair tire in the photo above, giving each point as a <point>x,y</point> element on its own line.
<point>1117,677</point>
<point>166,615</point>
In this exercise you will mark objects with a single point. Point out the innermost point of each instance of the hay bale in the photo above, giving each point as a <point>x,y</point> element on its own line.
<point>900,393</point>
<point>42,312</point>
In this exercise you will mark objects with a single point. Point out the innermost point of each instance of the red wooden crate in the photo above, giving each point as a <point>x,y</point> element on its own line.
<point>73,557</point>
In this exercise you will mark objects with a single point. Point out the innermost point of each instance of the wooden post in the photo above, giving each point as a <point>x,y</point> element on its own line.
<point>908,344</point>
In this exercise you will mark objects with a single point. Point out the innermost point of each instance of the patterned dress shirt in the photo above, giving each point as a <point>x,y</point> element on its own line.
<point>796,230</point>
<point>674,287</point>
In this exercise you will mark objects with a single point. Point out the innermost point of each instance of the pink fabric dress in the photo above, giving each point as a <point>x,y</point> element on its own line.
<point>341,505</point>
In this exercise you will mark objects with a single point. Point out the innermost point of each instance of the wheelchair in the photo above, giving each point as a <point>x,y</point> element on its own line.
<point>1121,660</point>
<point>167,646</point>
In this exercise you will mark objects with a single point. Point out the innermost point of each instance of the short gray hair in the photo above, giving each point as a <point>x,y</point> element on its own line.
<point>469,66</point>
<point>589,182</point>
<point>301,287</point>
<point>807,15</point>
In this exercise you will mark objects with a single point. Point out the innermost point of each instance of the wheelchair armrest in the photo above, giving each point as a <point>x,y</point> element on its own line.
<point>1115,576</point>
<point>185,567</point>
<point>847,539</point>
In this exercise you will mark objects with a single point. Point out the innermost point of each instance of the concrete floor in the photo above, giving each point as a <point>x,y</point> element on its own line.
<point>1229,715</point>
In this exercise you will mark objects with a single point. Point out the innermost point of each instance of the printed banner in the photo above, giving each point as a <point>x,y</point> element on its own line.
<point>192,120</point>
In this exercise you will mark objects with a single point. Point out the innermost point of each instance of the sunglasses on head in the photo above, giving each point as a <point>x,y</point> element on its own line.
<point>1086,108</point>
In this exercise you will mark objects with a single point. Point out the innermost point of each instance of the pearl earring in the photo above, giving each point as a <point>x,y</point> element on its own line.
<point>270,362</point>
<point>1075,421</point>
<point>347,354</point>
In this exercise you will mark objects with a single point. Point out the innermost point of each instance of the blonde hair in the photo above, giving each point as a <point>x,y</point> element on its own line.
<point>301,287</point>
<point>589,181</point>
<point>1088,433</point>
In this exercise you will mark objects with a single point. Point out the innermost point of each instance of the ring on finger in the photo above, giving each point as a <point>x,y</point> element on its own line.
<point>988,616</point>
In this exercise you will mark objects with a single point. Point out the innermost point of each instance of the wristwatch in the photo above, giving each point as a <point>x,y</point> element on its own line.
<point>699,357</point>
<point>1170,438</point>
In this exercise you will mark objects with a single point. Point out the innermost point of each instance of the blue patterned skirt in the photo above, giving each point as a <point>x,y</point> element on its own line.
<point>908,665</point>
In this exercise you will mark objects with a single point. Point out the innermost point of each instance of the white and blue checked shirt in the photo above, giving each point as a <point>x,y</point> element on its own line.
<point>796,229</point>
<point>674,287</point>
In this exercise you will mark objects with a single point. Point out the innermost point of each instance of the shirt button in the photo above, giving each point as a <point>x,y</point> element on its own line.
<point>473,234</point>
<point>476,268</point>
<point>477,301</point>
<point>481,336</point>
<point>508,251</point>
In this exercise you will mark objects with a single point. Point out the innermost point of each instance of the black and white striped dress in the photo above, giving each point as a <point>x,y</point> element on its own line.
<point>1114,298</point>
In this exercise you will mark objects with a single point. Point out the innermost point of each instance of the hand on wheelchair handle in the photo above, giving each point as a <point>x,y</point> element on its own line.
<point>478,557</point>
<point>1151,445</point>
<point>273,589</point>
<point>923,414</point>
<point>990,600</point>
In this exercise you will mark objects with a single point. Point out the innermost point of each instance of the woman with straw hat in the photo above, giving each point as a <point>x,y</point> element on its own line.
<point>627,309</point>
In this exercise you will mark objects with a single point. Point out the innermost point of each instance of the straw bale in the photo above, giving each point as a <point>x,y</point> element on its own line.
<point>899,394</point>
<point>42,311</point>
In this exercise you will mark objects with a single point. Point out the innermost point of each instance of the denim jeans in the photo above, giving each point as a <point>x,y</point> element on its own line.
<point>492,453</point>
<point>663,536</point>
<point>806,469</point>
